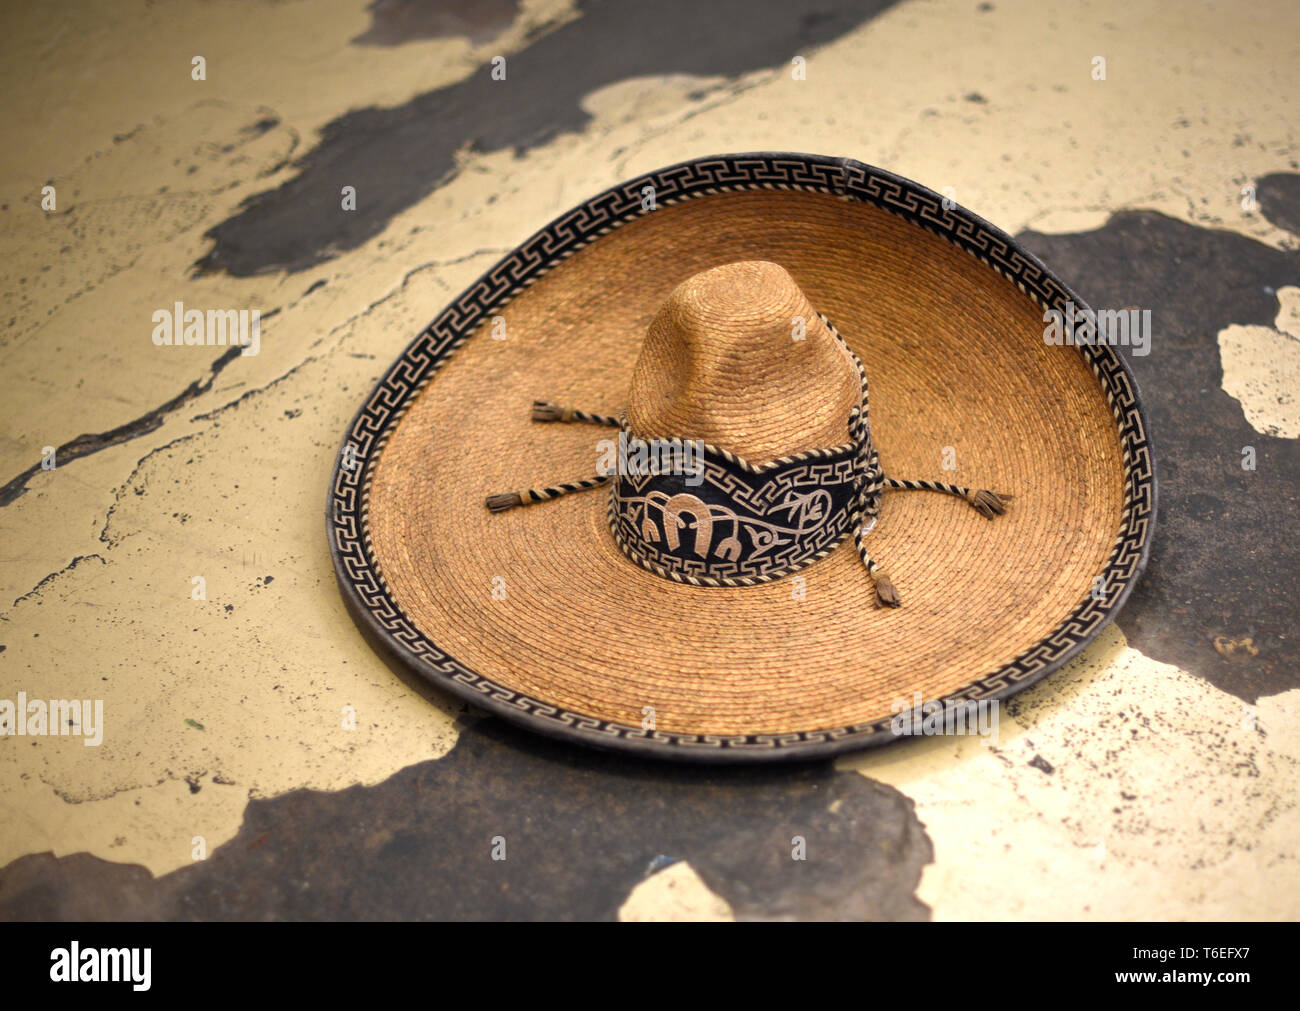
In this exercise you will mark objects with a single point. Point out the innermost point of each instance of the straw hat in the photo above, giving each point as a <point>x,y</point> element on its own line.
<point>697,346</point>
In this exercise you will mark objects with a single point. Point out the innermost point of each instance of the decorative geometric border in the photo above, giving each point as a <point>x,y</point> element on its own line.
<point>347,505</point>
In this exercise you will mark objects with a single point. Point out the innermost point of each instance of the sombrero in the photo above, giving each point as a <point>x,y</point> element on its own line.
<point>639,486</point>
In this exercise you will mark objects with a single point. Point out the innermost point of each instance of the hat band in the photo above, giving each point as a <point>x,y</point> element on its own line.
<point>722,521</point>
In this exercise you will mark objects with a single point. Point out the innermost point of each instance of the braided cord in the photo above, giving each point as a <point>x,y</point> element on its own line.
<point>531,496</point>
<point>544,410</point>
<point>987,503</point>
<point>871,481</point>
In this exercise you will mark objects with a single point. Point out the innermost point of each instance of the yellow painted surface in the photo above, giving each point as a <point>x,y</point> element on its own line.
<point>1261,368</point>
<point>675,894</point>
<point>1167,799</point>
<point>231,488</point>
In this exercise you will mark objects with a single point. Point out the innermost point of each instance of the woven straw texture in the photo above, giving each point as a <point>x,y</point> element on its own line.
<point>956,358</point>
<point>721,364</point>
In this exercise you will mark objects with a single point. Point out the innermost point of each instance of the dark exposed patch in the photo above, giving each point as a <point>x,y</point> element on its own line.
<point>976,97</point>
<point>581,829</point>
<point>263,125</point>
<point>90,443</point>
<point>1225,556</point>
<point>393,22</point>
<point>1278,196</point>
<point>395,157</point>
<point>1042,764</point>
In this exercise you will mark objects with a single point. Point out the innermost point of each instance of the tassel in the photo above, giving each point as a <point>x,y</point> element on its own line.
<point>507,500</point>
<point>988,503</point>
<point>544,410</point>
<point>885,592</point>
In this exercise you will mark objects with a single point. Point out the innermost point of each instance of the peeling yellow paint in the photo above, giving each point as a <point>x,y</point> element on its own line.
<point>1261,368</point>
<point>163,826</point>
<point>675,894</point>
<point>1167,799</point>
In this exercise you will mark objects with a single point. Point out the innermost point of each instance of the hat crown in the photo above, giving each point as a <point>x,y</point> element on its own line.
<point>739,358</point>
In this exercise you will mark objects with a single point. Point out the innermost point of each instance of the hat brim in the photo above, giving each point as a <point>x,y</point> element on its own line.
<point>538,616</point>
